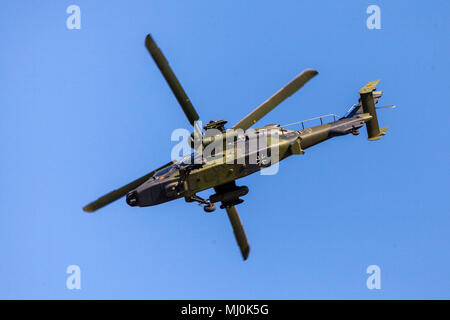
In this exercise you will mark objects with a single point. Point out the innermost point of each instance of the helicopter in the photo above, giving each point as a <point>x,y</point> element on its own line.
<point>233,157</point>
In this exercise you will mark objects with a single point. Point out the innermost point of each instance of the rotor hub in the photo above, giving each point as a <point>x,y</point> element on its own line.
<point>219,125</point>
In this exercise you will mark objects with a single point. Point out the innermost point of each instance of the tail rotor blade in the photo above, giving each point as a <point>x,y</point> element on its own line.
<point>171,79</point>
<point>386,107</point>
<point>238,231</point>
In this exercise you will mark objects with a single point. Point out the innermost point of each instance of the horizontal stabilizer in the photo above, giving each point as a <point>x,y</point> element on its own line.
<point>369,87</point>
<point>382,133</point>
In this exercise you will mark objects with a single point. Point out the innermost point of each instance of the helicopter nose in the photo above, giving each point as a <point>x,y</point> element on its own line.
<point>132,199</point>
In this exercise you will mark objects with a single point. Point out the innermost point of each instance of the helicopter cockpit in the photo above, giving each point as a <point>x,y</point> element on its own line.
<point>192,161</point>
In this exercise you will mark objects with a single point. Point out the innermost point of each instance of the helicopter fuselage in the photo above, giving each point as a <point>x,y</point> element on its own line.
<point>223,156</point>
<point>255,150</point>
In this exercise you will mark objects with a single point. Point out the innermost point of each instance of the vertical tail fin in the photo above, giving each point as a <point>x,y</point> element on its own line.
<point>368,105</point>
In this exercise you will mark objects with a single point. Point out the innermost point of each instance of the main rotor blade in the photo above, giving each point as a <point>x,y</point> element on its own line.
<point>171,79</point>
<point>276,99</point>
<point>238,231</point>
<point>119,193</point>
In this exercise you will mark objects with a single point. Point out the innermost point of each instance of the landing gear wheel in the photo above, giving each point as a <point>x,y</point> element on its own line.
<point>210,207</point>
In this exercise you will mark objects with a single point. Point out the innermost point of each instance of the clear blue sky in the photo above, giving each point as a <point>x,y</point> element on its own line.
<point>86,111</point>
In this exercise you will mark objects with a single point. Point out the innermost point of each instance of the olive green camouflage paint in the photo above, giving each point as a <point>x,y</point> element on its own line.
<point>243,155</point>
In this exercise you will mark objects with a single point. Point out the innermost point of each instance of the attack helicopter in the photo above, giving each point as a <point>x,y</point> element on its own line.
<point>198,171</point>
